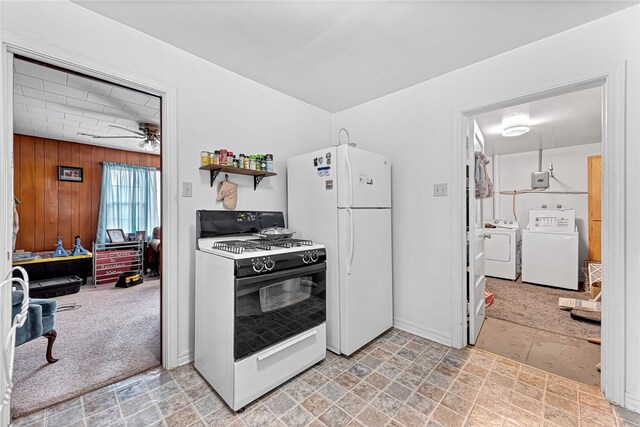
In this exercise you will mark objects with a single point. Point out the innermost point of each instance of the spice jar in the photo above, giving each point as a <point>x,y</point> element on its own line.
<point>223,157</point>
<point>263,163</point>
<point>269,160</point>
<point>204,158</point>
<point>230,157</point>
<point>240,160</point>
<point>214,159</point>
<point>252,162</point>
<point>246,162</point>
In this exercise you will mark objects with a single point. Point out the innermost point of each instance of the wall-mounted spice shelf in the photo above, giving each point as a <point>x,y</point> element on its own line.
<point>214,170</point>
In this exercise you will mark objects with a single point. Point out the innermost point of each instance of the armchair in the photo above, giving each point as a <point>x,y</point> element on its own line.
<point>154,251</point>
<point>41,320</point>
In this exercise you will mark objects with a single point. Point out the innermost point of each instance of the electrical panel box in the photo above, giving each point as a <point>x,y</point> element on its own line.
<point>540,179</point>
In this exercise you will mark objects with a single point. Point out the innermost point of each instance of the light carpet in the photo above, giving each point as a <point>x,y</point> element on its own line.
<point>114,334</point>
<point>537,307</point>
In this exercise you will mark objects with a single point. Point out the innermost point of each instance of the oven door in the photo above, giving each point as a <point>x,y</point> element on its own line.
<point>273,307</point>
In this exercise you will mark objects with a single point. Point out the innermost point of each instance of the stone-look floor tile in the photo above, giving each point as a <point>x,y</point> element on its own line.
<point>143,418</point>
<point>397,339</point>
<point>158,378</point>
<point>419,371</point>
<point>408,380</point>
<point>330,370</point>
<point>583,388</point>
<point>446,417</point>
<point>346,380</point>
<point>451,360</point>
<point>421,404</point>
<point>595,402</point>
<point>99,404</point>
<point>399,362</point>
<point>409,417</point>
<point>353,423</point>
<point>627,415</point>
<point>184,417</point>
<point>439,380</point>
<point>389,370</point>
<point>29,419</point>
<point>314,378</point>
<point>173,404</point>
<point>398,391</point>
<point>391,347</point>
<point>370,416</point>
<point>470,379</point>
<point>280,403</point>
<point>532,380</point>
<point>298,389</point>
<point>333,391</point>
<point>408,354</point>
<point>595,416</point>
<point>62,406</point>
<point>431,391</point>
<point>351,404</point>
<point>208,404</point>
<point>371,361</point>
<point>198,392</point>
<point>416,346</point>
<point>221,417</point>
<point>481,360</point>
<point>561,403</point>
<point>164,391</point>
<point>563,391</point>
<point>495,390</point>
<point>506,370</point>
<point>105,418</point>
<point>365,391</point>
<point>483,417</point>
<point>625,423</point>
<point>258,416</point>
<point>533,371</point>
<point>476,370</point>
<point>67,417</point>
<point>522,417</point>
<point>559,417</point>
<point>529,390</point>
<point>335,417</point>
<point>136,404</point>
<point>446,370</point>
<point>463,390</point>
<point>297,417</point>
<point>527,403</point>
<point>426,361</point>
<point>130,391</point>
<point>385,403</point>
<point>457,404</point>
<point>377,380</point>
<point>316,404</point>
<point>491,404</point>
<point>500,379</point>
<point>343,363</point>
<point>359,370</point>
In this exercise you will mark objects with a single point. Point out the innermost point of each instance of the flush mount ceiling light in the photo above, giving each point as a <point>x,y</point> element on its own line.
<point>515,130</point>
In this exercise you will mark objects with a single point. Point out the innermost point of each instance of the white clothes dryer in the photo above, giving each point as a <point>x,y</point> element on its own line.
<point>502,249</point>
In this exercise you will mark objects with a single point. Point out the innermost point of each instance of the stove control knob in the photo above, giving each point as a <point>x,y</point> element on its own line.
<point>306,258</point>
<point>314,256</point>
<point>258,266</point>
<point>269,264</point>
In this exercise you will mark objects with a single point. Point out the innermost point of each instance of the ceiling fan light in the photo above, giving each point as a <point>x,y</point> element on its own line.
<point>515,130</point>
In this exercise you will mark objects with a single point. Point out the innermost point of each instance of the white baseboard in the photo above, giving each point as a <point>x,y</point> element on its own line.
<point>421,331</point>
<point>185,357</point>
<point>632,402</point>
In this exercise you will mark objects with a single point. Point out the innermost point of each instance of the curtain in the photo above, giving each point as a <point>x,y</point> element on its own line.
<point>128,200</point>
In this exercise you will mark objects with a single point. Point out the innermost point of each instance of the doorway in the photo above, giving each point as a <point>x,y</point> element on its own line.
<point>536,211</point>
<point>86,163</point>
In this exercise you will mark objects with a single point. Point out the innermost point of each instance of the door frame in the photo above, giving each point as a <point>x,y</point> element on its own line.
<point>16,44</point>
<point>612,78</point>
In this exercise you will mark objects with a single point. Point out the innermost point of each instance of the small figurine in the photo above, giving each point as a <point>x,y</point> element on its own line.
<point>78,249</point>
<point>60,251</point>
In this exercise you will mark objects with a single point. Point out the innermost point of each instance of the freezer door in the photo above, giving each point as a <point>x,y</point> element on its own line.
<point>364,178</point>
<point>366,305</point>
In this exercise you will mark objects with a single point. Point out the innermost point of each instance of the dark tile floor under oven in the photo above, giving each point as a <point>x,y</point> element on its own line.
<point>397,380</point>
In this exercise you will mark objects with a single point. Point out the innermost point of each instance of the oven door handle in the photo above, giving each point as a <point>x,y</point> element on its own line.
<point>294,272</point>
<point>286,345</point>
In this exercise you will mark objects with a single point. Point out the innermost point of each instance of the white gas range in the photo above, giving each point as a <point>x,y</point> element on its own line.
<point>260,304</point>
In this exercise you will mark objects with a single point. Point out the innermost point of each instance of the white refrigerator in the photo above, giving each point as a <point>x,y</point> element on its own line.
<point>341,197</point>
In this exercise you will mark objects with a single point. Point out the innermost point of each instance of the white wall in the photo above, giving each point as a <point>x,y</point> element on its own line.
<point>570,171</point>
<point>414,128</point>
<point>215,108</point>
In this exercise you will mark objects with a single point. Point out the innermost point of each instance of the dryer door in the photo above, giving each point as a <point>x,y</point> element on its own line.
<point>498,247</point>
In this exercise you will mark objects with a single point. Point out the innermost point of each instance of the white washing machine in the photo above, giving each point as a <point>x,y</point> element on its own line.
<point>550,248</point>
<point>502,249</point>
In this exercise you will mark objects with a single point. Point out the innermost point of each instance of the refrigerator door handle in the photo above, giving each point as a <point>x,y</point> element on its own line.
<point>350,184</point>
<point>351,245</point>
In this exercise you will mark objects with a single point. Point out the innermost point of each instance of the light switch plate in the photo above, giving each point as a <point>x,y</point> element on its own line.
<point>187,189</point>
<point>440,190</point>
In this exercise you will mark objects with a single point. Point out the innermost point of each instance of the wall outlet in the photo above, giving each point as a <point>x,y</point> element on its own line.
<point>440,190</point>
<point>187,189</point>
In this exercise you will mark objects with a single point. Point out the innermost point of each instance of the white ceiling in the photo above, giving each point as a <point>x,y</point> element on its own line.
<point>560,121</point>
<point>338,54</point>
<point>50,103</point>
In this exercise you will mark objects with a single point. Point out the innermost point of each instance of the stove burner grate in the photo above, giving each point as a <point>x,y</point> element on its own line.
<point>239,246</point>
<point>284,243</point>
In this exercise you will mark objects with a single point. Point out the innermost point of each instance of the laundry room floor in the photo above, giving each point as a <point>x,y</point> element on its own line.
<point>565,356</point>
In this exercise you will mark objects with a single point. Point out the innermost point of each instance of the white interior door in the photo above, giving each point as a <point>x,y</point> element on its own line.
<point>475,238</point>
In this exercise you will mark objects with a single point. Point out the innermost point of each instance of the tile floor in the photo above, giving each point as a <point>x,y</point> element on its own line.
<point>397,380</point>
<point>569,357</point>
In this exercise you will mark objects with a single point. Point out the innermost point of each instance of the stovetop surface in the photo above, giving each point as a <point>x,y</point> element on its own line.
<point>249,246</point>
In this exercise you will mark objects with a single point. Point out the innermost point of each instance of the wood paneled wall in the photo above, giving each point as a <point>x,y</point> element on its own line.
<point>50,208</point>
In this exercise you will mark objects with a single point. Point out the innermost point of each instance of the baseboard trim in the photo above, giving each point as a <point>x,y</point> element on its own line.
<point>421,331</point>
<point>185,357</point>
<point>632,402</point>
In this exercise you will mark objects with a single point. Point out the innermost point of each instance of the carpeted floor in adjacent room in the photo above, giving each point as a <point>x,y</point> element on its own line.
<point>536,306</point>
<point>113,334</point>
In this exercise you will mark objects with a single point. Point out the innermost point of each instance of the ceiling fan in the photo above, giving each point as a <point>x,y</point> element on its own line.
<point>149,135</point>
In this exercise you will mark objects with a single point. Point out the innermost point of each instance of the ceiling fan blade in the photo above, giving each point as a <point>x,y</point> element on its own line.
<point>129,130</point>
<point>107,137</point>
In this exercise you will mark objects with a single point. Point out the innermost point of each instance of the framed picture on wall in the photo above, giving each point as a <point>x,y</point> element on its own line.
<point>70,173</point>
<point>116,235</point>
<point>141,235</point>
